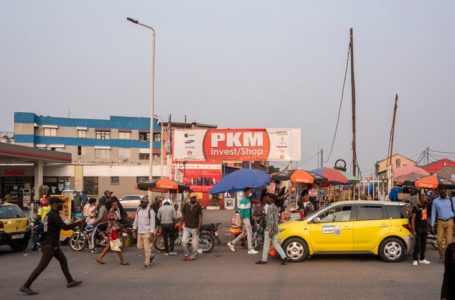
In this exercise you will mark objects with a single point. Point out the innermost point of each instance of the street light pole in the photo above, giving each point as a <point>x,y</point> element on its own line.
<point>152,100</point>
<point>161,144</point>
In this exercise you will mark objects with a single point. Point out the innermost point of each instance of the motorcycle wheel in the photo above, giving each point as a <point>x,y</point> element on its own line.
<point>159,243</point>
<point>206,242</point>
<point>78,241</point>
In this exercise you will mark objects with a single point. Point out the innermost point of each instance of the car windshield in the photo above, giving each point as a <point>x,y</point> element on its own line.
<point>11,212</point>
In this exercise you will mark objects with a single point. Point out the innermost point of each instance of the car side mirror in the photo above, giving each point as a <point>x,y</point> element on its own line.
<point>317,220</point>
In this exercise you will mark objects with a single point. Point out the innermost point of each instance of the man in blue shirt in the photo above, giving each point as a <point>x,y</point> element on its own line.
<point>443,209</point>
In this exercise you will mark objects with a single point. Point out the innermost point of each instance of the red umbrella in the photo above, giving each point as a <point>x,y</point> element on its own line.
<point>333,176</point>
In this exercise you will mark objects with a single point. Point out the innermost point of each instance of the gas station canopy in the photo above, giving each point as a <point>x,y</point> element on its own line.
<point>11,153</point>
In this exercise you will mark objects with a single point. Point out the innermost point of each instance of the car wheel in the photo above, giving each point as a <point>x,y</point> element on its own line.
<point>19,245</point>
<point>392,250</point>
<point>296,249</point>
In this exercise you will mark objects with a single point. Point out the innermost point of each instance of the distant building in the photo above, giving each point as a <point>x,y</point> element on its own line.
<point>106,154</point>
<point>398,160</point>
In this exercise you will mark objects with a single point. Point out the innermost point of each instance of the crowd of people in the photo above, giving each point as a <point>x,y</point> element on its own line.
<point>428,214</point>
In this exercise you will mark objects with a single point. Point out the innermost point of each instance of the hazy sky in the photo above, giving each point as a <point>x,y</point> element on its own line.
<point>240,64</point>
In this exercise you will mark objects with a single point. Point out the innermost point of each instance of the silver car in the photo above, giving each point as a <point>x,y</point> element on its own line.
<point>131,202</point>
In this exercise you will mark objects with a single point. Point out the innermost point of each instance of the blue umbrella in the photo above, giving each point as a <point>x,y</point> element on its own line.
<point>238,180</point>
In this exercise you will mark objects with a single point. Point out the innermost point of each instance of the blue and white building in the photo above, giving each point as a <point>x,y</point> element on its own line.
<point>107,154</point>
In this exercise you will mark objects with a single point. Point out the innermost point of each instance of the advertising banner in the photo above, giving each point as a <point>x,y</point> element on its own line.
<point>218,145</point>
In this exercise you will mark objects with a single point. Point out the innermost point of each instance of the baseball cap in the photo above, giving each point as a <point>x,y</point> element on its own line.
<point>193,195</point>
<point>167,201</point>
<point>145,199</point>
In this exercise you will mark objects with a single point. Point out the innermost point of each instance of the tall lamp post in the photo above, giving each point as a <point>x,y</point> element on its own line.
<point>152,100</point>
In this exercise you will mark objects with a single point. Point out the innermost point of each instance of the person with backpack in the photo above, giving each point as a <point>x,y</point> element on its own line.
<point>144,226</point>
<point>100,222</point>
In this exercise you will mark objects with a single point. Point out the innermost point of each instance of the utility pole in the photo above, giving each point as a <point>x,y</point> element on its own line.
<point>391,140</point>
<point>427,154</point>
<point>322,158</point>
<point>354,154</point>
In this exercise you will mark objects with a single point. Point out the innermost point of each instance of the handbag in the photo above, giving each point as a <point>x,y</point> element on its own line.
<point>116,245</point>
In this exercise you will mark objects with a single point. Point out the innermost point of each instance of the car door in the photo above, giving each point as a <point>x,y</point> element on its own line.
<point>331,230</point>
<point>370,226</point>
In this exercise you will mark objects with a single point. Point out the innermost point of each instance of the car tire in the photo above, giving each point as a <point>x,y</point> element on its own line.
<point>19,245</point>
<point>296,249</point>
<point>392,250</point>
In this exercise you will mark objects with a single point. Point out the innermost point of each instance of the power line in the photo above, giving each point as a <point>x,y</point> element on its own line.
<point>443,152</point>
<point>311,158</point>
<point>341,104</point>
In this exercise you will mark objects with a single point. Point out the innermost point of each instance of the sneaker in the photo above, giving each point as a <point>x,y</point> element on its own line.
<point>284,261</point>
<point>415,263</point>
<point>186,257</point>
<point>173,253</point>
<point>166,254</point>
<point>231,246</point>
<point>192,259</point>
<point>261,262</point>
<point>93,251</point>
<point>252,251</point>
<point>73,284</point>
<point>28,291</point>
<point>424,262</point>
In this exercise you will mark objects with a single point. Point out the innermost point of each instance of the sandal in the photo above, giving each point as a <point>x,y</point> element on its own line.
<point>125,264</point>
<point>100,262</point>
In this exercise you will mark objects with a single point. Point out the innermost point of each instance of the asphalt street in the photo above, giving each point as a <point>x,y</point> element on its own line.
<point>223,275</point>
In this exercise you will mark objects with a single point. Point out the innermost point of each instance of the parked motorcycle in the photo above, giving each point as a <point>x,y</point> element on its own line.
<point>82,235</point>
<point>208,238</point>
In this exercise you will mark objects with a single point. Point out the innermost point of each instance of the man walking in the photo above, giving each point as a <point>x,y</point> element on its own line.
<point>245,215</point>
<point>50,241</point>
<point>419,225</point>
<point>271,233</point>
<point>144,226</point>
<point>100,222</point>
<point>443,209</point>
<point>192,218</point>
<point>167,217</point>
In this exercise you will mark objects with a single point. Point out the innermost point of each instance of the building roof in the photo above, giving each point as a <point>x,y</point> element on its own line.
<point>396,154</point>
<point>189,125</point>
<point>11,153</point>
<point>438,165</point>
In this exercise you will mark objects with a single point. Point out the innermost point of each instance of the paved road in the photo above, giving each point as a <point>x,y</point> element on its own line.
<point>223,275</point>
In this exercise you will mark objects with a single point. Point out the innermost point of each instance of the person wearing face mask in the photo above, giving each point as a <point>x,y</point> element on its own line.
<point>192,218</point>
<point>245,213</point>
<point>443,209</point>
<point>50,241</point>
<point>144,226</point>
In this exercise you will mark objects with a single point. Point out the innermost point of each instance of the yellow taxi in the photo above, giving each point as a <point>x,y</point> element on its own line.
<point>14,227</point>
<point>376,227</point>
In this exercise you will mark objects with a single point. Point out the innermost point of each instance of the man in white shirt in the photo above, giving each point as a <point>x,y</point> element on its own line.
<point>144,225</point>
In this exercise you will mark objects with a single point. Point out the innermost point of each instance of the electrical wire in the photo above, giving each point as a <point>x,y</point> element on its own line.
<point>341,104</point>
<point>443,152</point>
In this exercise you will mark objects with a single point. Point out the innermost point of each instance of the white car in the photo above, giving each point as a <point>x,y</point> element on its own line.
<point>131,202</point>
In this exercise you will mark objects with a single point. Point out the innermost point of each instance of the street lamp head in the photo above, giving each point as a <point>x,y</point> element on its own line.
<point>135,21</point>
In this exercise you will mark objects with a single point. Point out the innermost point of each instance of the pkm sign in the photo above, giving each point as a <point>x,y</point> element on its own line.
<point>236,144</point>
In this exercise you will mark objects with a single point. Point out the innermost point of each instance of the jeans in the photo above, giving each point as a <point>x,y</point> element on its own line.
<point>37,234</point>
<point>143,242</point>
<point>49,251</point>
<point>276,245</point>
<point>187,233</point>
<point>444,231</point>
<point>246,230</point>
<point>168,236</point>
<point>420,244</point>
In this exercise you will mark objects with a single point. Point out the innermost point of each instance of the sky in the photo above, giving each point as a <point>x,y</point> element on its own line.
<point>241,64</point>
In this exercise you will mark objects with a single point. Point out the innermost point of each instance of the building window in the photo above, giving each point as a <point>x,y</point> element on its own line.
<point>103,153</point>
<point>398,163</point>
<point>81,133</point>
<point>124,135</point>
<point>140,179</point>
<point>79,150</point>
<point>91,185</point>
<point>124,154</point>
<point>144,156</point>
<point>157,137</point>
<point>50,131</point>
<point>115,180</point>
<point>103,135</point>
<point>144,136</point>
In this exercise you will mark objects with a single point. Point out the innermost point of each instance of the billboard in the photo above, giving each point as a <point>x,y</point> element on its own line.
<point>218,145</point>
